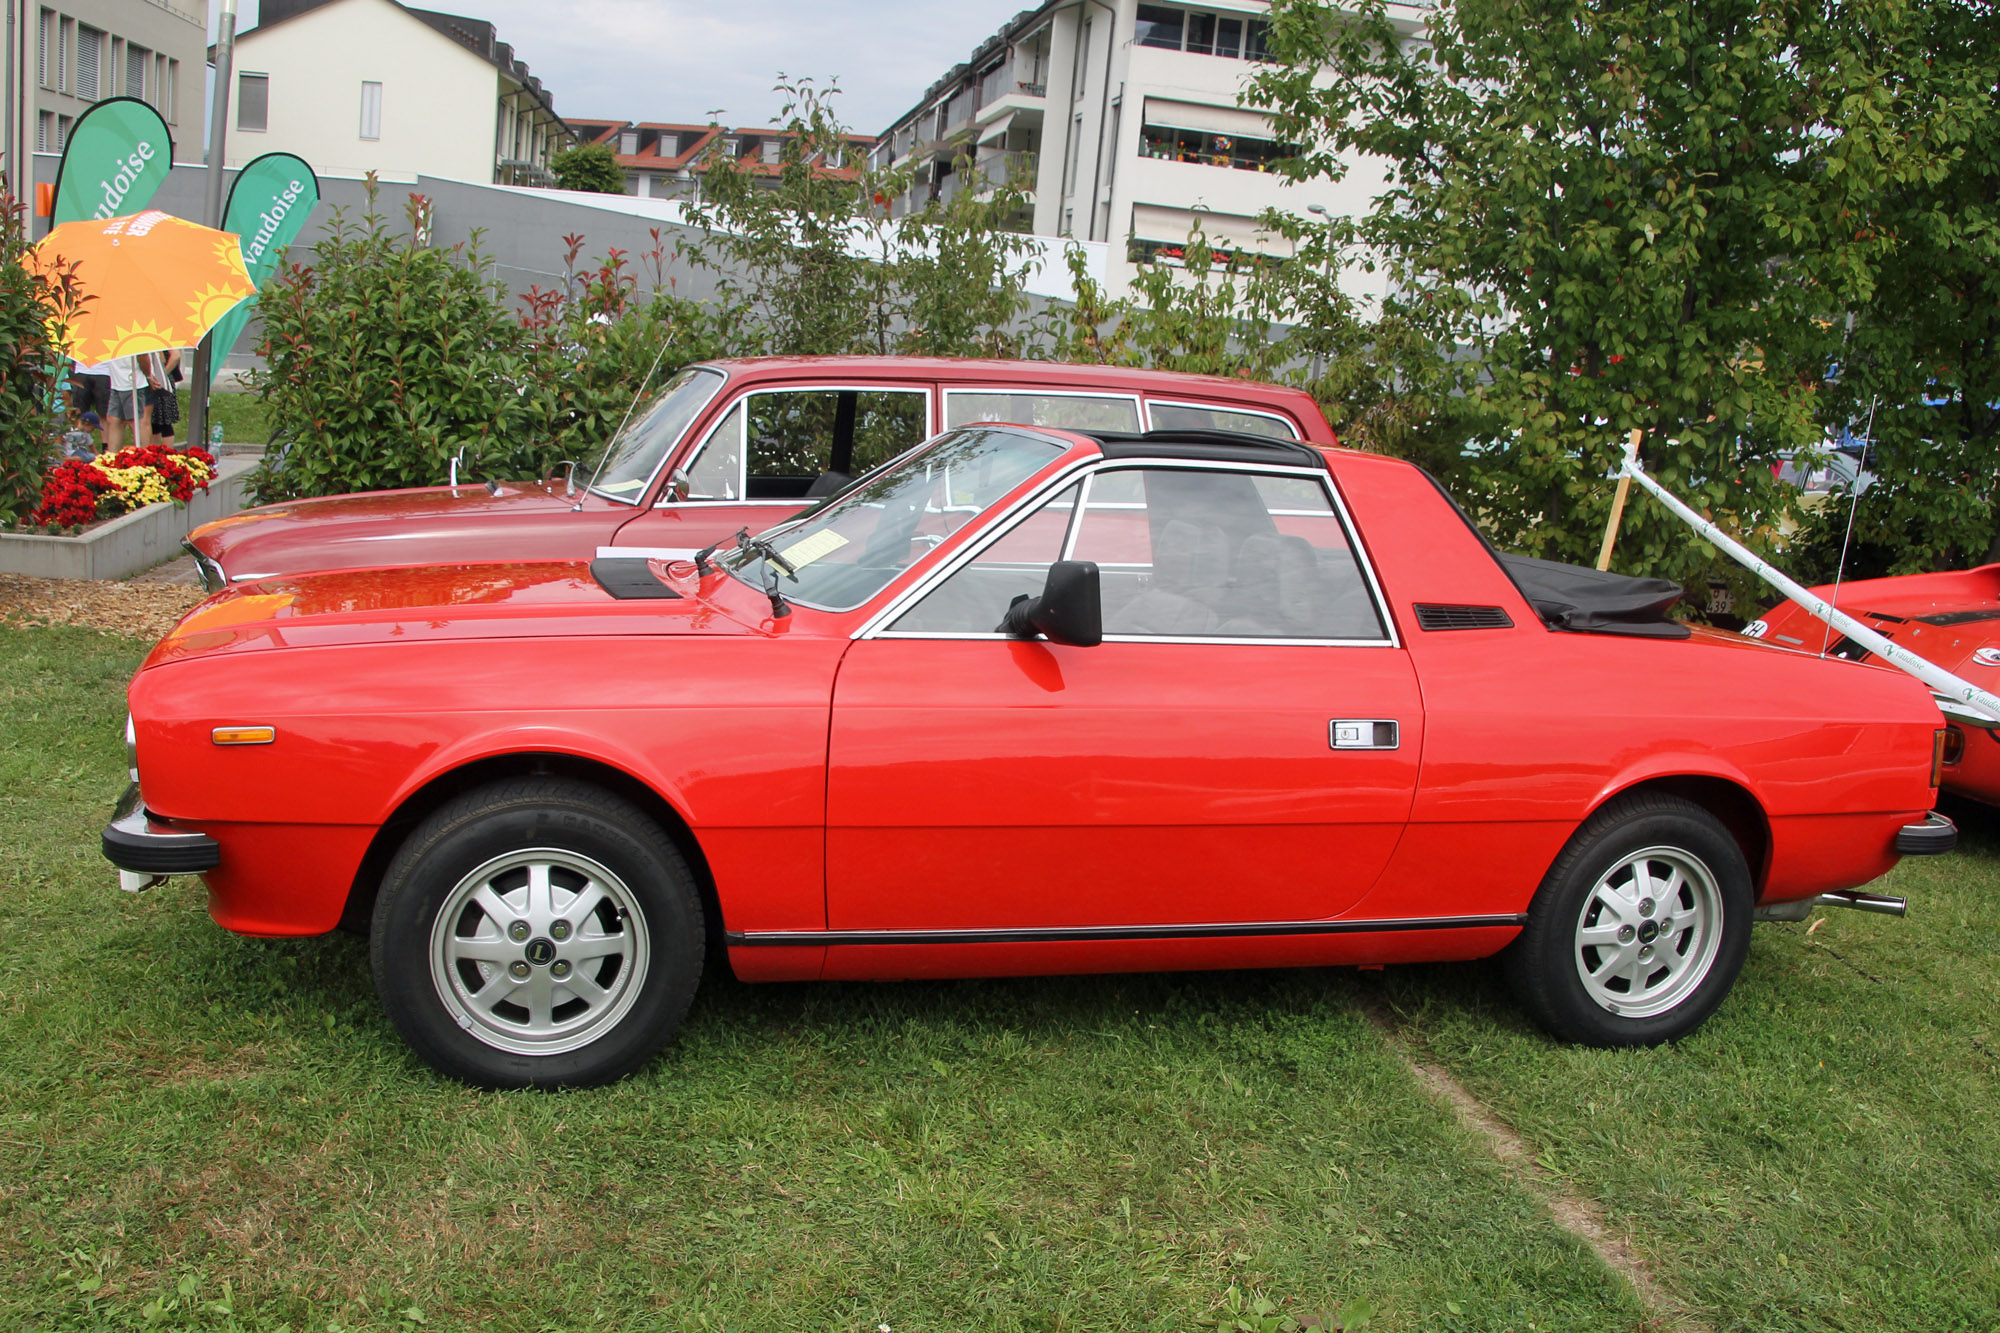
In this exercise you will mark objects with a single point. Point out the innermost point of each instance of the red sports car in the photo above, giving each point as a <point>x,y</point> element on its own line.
<point>1019,702</point>
<point>728,445</point>
<point>1952,619</point>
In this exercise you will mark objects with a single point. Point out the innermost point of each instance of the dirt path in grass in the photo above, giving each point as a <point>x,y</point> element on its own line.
<point>1572,1212</point>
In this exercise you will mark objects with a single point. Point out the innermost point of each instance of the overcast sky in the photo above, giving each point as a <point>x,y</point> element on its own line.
<point>681,60</point>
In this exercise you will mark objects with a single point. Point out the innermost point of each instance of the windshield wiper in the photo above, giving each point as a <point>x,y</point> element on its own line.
<point>773,562</point>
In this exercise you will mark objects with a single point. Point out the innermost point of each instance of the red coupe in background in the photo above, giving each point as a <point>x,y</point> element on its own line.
<point>728,445</point>
<point>1952,619</point>
<point>1020,702</point>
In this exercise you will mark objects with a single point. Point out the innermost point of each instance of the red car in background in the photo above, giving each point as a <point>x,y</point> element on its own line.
<point>1021,702</point>
<point>1952,619</point>
<point>728,445</point>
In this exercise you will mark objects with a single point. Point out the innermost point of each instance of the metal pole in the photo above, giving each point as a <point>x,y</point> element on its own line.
<point>1962,694</point>
<point>211,213</point>
<point>7,145</point>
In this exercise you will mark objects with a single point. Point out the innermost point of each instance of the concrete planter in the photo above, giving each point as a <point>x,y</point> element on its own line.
<point>124,546</point>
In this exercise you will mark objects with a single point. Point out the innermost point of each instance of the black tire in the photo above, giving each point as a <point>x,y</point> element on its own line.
<point>633,951</point>
<point>1673,975</point>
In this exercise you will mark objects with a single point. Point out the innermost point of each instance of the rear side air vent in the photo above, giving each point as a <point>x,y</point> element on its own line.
<point>1437,615</point>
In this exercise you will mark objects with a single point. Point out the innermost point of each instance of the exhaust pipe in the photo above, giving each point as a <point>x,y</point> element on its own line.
<point>1863,902</point>
<point>1860,902</point>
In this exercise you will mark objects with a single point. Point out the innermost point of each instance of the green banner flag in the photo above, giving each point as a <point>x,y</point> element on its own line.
<point>268,207</point>
<point>118,155</point>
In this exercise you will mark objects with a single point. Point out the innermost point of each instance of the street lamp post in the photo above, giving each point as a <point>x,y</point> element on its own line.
<point>205,351</point>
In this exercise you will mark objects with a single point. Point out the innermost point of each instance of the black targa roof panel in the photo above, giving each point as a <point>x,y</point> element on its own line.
<point>1208,446</point>
<point>1596,601</point>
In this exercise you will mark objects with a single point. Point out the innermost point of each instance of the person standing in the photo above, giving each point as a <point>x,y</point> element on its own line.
<point>127,382</point>
<point>163,404</point>
<point>90,389</point>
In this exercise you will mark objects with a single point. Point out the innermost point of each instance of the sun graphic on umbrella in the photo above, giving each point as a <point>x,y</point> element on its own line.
<point>229,252</point>
<point>131,340</point>
<point>211,303</point>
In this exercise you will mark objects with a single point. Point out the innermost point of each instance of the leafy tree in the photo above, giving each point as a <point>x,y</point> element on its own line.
<point>34,303</point>
<point>1921,369</point>
<point>590,167</point>
<point>1606,215</point>
<point>809,262</point>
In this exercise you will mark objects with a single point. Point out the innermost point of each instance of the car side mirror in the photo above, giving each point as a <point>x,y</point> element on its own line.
<point>1070,609</point>
<point>677,484</point>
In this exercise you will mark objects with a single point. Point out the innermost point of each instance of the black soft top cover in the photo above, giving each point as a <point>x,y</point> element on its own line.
<point>1595,601</point>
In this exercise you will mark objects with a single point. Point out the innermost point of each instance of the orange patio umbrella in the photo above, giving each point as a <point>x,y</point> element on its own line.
<point>153,281</point>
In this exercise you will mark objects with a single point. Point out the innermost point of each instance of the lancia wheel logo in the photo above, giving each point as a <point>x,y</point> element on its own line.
<point>541,952</point>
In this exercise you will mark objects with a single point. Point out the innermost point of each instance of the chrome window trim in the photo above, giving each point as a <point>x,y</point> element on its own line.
<point>876,626</point>
<point>1278,417</point>
<point>1138,404</point>
<point>743,452</point>
<point>667,456</point>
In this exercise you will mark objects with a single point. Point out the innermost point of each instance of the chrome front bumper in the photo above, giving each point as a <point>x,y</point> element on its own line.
<point>146,852</point>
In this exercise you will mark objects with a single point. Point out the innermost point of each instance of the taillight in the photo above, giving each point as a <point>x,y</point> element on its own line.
<point>1940,740</point>
<point>1954,745</point>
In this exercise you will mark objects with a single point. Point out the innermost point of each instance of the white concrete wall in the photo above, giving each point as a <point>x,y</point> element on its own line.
<point>439,100</point>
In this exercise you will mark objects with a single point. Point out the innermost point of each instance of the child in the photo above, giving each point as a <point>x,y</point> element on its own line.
<point>80,441</point>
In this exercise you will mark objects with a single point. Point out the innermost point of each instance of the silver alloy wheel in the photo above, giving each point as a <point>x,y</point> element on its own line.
<point>1649,932</point>
<point>539,952</point>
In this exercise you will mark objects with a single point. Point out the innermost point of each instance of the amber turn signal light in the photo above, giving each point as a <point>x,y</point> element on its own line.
<point>1940,741</point>
<point>261,736</point>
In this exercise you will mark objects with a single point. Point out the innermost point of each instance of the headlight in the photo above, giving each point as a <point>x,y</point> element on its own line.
<point>131,748</point>
<point>1756,629</point>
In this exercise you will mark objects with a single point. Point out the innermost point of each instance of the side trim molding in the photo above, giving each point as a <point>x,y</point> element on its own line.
<point>741,939</point>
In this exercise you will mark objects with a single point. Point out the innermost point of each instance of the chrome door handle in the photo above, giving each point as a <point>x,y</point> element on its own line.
<point>1362,733</point>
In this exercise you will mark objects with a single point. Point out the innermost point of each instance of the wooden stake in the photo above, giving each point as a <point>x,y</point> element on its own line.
<point>1618,503</point>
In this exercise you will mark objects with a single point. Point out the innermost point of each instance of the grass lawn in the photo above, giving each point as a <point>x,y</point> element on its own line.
<point>201,1131</point>
<point>244,417</point>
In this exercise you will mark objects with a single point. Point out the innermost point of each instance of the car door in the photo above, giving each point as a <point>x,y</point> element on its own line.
<point>1241,749</point>
<point>772,452</point>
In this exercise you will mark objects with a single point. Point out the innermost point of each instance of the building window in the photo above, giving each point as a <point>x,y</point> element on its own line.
<point>628,142</point>
<point>45,132</point>
<point>253,101</point>
<point>1159,27</point>
<point>1082,54</point>
<point>1071,152</point>
<point>1174,254</point>
<point>62,131</point>
<point>44,49</point>
<point>371,110</point>
<point>770,151</point>
<point>89,51</point>
<point>1169,144</point>
<point>170,95</point>
<point>65,39</point>
<point>1202,34</point>
<point>135,71</point>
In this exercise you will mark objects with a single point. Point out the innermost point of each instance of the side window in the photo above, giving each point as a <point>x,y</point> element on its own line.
<point>1185,416</point>
<point>974,598</point>
<point>1064,411</point>
<point>717,470</point>
<point>1185,553</point>
<point>777,444</point>
<point>1181,553</point>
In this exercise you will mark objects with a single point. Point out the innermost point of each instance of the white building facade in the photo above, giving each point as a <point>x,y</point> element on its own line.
<point>1125,120</point>
<point>354,86</point>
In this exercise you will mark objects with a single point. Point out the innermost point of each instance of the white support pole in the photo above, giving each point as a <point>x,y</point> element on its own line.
<point>1984,707</point>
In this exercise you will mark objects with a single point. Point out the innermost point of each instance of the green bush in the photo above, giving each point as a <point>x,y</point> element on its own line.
<point>32,304</point>
<point>387,358</point>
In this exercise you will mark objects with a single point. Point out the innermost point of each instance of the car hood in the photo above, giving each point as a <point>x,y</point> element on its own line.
<point>1944,617</point>
<point>540,599</point>
<point>434,525</point>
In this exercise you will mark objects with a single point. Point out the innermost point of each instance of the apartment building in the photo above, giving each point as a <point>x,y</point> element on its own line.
<point>1123,121</point>
<point>69,54</point>
<point>354,86</point>
<point>662,160</point>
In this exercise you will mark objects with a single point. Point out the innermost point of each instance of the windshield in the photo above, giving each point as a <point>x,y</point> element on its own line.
<point>634,456</point>
<point>849,549</point>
